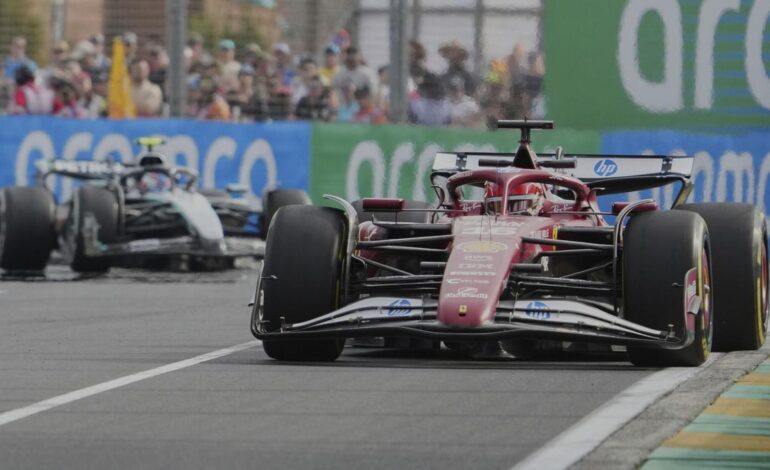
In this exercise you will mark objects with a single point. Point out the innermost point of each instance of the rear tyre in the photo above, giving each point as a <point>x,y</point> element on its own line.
<point>277,198</point>
<point>302,277</point>
<point>26,228</point>
<point>411,217</point>
<point>739,259</point>
<point>91,204</point>
<point>658,251</point>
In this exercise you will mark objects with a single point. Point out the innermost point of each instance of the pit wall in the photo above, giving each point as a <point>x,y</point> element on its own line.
<point>360,160</point>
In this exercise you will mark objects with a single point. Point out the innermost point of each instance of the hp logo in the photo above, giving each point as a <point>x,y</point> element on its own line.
<point>605,167</point>
<point>538,310</point>
<point>399,308</point>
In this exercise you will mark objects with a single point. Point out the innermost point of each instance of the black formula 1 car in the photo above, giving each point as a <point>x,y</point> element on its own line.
<point>516,253</point>
<point>141,215</point>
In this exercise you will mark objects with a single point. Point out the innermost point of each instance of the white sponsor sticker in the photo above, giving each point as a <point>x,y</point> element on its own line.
<point>471,273</point>
<point>475,266</point>
<point>477,258</point>
<point>467,281</point>
<point>149,244</point>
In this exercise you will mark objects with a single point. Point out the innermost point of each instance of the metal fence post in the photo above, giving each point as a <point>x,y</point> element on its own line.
<point>176,82</point>
<point>398,71</point>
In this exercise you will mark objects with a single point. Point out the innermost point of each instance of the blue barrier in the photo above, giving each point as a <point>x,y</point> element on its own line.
<point>258,156</point>
<point>734,167</point>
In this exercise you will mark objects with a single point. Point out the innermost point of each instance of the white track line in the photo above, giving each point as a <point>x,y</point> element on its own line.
<point>45,405</point>
<point>569,447</point>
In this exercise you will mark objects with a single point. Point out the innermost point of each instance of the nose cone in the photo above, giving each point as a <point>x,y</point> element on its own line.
<point>473,280</point>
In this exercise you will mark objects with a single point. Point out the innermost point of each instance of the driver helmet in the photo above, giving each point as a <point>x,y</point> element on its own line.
<point>153,182</point>
<point>526,199</point>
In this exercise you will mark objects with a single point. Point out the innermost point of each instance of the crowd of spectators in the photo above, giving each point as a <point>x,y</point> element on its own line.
<point>245,83</point>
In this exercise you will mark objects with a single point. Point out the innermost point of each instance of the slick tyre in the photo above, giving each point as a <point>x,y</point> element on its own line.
<point>409,216</point>
<point>26,228</point>
<point>277,198</point>
<point>739,262</point>
<point>91,204</point>
<point>659,250</point>
<point>302,277</point>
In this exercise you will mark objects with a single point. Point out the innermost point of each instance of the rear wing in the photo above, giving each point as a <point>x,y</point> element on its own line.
<point>606,174</point>
<point>81,169</point>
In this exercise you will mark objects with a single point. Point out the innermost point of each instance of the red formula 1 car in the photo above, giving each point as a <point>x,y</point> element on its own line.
<point>517,252</point>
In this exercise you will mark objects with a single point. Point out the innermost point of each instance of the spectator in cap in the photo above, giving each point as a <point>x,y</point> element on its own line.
<point>382,95</point>
<point>30,98</point>
<point>102,62</point>
<point>213,106</point>
<point>331,63</point>
<point>158,61</point>
<point>283,65</point>
<point>147,96</point>
<point>464,111</point>
<point>354,71</point>
<point>308,70</point>
<point>347,106</point>
<point>431,108</point>
<point>59,54</point>
<point>367,113</point>
<point>66,101</point>
<point>246,105</point>
<point>228,66</point>
<point>198,54</point>
<point>17,58</point>
<point>456,55</point>
<point>131,43</point>
<point>314,106</point>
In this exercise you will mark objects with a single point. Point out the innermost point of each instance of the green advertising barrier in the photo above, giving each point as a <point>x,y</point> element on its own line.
<point>355,161</point>
<point>658,63</point>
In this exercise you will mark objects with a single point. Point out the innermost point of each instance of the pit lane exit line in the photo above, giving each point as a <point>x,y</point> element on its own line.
<point>569,447</point>
<point>45,405</point>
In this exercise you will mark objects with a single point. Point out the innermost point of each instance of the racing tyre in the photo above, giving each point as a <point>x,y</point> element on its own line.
<point>26,228</point>
<point>91,204</point>
<point>739,260</point>
<point>277,198</point>
<point>413,217</point>
<point>302,277</point>
<point>659,250</point>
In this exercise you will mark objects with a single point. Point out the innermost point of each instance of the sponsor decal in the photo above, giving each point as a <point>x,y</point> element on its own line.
<point>475,266</point>
<point>605,167</point>
<point>470,206</point>
<point>471,273</point>
<point>467,281</point>
<point>487,230</point>
<point>479,258</point>
<point>149,244</point>
<point>482,246</point>
<point>399,308</point>
<point>537,310</point>
<point>466,293</point>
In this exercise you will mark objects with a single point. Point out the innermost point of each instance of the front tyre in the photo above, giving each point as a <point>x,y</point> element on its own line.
<point>302,278</point>
<point>26,228</point>
<point>660,248</point>
<point>739,258</point>
<point>92,208</point>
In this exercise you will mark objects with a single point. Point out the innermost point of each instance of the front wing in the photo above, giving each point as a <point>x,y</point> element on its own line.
<point>566,320</point>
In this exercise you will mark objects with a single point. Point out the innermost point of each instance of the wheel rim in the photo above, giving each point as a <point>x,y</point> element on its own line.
<point>708,323</point>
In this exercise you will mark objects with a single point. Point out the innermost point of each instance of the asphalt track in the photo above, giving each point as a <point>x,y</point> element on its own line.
<point>373,408</point>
